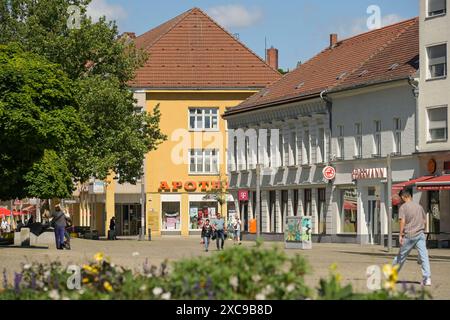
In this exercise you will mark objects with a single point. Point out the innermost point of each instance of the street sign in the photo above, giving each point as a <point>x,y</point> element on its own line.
<point>243,195</point>
<point>329,173</point>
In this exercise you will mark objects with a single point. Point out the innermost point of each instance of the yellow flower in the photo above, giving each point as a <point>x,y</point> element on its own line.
<point>338,278</point>
<point>391,274</point>
<point>108,287</point>
<point>85,280</point>
<point>333,267</point>
<point>99,257</point>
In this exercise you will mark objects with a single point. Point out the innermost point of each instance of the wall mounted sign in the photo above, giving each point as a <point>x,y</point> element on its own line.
<point>190,186</point>
<point>431,166</point>
<point>366,174</point>
<point>329,173</point>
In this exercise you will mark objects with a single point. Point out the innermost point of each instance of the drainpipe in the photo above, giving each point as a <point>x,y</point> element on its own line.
<point>329,103</point>
<point>415,85</point>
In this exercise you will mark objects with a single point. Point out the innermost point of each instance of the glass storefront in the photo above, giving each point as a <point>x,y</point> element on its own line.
<point>349,211</point>
<point>171,218</point>
<point>128,219</point>
<point>435,212</point>
<point>199,212</point>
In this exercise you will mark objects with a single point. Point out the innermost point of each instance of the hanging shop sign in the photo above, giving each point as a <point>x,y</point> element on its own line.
<point>190,186</point>
<point>243,195</point>
<point>372,173</point>
<point>329,173</point>
<point>432,166</point>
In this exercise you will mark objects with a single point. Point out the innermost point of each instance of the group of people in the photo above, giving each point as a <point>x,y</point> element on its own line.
<point>61,220</point>
<point>6,227</point>
<point>217,230</point>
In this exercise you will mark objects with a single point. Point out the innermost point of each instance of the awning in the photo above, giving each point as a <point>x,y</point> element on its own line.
<point>435,184</point>
<point>396,188</point>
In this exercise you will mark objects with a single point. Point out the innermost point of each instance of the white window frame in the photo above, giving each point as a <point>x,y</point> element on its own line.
<point>429,75</point>
<point>205,112</point>
<point>429,139</point>
<point>397,136</point>
<point>341,142</point>
<point>377,138</point>
<point>201,155</point>
<point>358,141</point>
<point>435,15</point>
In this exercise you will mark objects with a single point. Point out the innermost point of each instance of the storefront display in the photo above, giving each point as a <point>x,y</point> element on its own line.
<point>199,212</point>
<point>171,219</point>
<point>349,211</point>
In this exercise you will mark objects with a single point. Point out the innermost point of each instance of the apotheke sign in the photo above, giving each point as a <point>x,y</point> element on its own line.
<point>372,173</point>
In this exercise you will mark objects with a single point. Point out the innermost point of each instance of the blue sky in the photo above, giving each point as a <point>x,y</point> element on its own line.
<point>298,28</point>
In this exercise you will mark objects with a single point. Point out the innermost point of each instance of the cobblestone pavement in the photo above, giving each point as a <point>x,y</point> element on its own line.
<point>352,260</point>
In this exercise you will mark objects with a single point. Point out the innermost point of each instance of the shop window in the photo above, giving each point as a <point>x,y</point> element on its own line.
<point>199,212</point>
<point>395,219</point>
<point>349,211</point>
<point>203,118</point>
<point>231,209</point>
<point>437,61</point>
<point>437,124</point>
<point>377,139</point>
<point>308,202</point>
<point>171,219</point>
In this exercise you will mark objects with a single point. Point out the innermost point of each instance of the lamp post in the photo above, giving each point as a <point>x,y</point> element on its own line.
<point>258,201</point>
<point>389,200</point>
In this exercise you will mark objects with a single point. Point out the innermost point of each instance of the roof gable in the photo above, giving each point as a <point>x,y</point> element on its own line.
<point>340,66</point>
<point>193,51</point>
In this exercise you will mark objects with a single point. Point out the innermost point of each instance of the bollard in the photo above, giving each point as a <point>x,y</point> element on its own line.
<point>149,234</point>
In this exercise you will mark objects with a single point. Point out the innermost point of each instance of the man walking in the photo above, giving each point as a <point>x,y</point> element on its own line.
<point>219,229</point>
<point>412,227</point>
<point>59,223</point>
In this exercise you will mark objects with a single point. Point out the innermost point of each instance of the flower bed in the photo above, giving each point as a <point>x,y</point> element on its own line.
<point>235,274</point>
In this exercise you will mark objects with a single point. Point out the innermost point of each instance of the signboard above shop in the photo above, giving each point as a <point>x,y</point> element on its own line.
<point>371,173</point>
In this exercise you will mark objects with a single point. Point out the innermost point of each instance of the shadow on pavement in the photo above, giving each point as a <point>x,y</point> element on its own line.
<point>34,247</point>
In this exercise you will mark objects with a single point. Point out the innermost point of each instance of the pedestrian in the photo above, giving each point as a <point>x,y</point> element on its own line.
<point>220,230</point>
<point>412,235</point>
<point>207,231</point>
<point>59,223</point>
<point>237,230</point>
<point>112,229</point>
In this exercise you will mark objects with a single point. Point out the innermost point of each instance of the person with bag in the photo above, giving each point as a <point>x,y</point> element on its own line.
<point>220,231</point>
<point>237,230</point>
<point>207,231</point>
<point>59,223</point>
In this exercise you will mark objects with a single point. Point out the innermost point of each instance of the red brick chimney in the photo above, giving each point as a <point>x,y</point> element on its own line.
<point>272,58</point>
<point>333,40</point>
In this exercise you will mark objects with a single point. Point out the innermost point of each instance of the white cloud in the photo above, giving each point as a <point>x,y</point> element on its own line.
<point>359,25</point>
<point>235,15</point>
<point>100,8</point>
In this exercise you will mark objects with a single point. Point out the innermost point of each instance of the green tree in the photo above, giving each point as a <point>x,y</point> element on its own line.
<point>39,121</point>
<point>100,63</point>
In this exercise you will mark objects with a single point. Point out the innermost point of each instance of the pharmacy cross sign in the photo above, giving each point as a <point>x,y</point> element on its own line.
<point>329,173</point>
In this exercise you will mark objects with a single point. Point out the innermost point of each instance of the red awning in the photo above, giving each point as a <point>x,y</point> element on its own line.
<point>350,206</point>
<point>396,188</point>
<point>435,184</point>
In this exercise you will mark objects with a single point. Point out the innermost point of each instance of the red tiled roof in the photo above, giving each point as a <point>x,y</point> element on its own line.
<point>193,51</point>
<point>361,60</point>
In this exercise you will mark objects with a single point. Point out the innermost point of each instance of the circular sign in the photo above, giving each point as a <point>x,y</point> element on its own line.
<point>431,166</point>
<point>329,173</point>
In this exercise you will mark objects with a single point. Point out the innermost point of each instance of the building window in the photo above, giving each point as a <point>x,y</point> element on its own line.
<point>171,219</point>
<point>358,140</point>
<point>436,8</point>
<point>308,202</point>
<point>281,148</point>
<point>397,136</point>
<point>295,203</point>
<point>437,61</point>
<point>306,148</point>
<point>199,212</point>
<point>340,140</point>
<point>203,118</point>
<point>321,146</point>
<point>437,124</point>
<point>235,154</point>
<point>377,139</point>
<point>204,161</point>
<point>293,148</point>
<point>349,211</point>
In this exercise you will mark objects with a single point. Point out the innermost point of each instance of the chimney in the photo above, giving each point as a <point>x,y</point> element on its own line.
<point>333,40</point>
<point>272,58</point>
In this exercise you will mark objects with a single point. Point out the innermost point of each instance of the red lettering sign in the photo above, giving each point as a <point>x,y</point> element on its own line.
<point>177,185</point>
<point>164,186</point>
<point>190,186</point>
<point>204,185</point>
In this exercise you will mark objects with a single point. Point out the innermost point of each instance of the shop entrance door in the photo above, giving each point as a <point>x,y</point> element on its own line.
<point>244,214</point>
<point>373,224</point>
<point>128,219</point>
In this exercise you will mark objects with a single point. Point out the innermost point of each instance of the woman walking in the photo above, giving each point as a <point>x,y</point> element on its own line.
<point>206,234</point>
<point>237,230</point>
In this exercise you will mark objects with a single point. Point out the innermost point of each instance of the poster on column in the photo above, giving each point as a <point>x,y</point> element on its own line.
<point>298,234</point>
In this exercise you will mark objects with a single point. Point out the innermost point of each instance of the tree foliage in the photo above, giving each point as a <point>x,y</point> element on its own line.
<point>99,64</point>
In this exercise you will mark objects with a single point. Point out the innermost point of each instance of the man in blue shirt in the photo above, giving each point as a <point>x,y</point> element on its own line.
<point>219,227</point>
